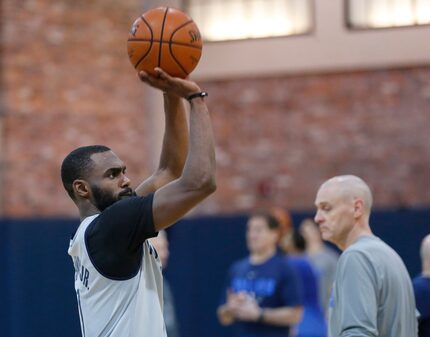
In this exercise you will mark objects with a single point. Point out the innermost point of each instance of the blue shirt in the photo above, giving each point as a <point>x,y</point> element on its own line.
<point>313,322</point>
<point>422,297</point>
<point>273,283</point>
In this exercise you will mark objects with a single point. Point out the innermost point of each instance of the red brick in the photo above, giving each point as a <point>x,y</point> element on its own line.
<point>68,82</point>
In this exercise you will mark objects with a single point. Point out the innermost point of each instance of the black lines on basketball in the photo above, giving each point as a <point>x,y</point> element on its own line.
<point>176,60</point>
<point>161,36</point>
<point>194,36</point>
<point>181,26</point>
<point>168,42</point>
<point>150,40</point>
<point>149,27</point>
<point>185,45</point>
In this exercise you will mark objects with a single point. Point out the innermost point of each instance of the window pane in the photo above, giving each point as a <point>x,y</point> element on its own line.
<point>387,13</point>
<point>241,19</point>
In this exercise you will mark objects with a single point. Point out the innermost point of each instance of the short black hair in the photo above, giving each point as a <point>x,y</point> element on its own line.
<point>272,222</point>
<point>77,164</point>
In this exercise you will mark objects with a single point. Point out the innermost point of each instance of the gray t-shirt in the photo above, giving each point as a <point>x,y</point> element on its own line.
<point>325,262</point>
<point>372,293</point>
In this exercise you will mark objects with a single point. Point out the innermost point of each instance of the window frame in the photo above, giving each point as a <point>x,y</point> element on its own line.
<point>311,31</point>
<point>351,27</point>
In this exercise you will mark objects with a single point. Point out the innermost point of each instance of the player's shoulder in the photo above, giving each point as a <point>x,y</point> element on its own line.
<point>126,211</point>
<point>367,252</point>
<point>358,253</point>
<point>124,205</point>
<point>375,249</point>
<point>85,223</point>
<point>367,245</point>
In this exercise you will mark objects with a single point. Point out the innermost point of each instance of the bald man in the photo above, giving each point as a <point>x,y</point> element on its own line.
<point>372,293</point>
<point>422,290</point>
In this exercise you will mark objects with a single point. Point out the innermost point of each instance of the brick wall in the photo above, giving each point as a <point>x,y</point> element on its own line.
<point>279,138</point>
<point>67,82</point>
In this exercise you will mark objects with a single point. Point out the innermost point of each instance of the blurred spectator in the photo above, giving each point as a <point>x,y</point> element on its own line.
<point>323,258</point>
<point>161,245</point>
<point>263,296</point>
<point>421,285</point>
<point>285,223</point>
<point>313,323</point>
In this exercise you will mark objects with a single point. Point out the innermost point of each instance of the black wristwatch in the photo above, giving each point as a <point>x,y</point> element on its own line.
<point>197,94</point>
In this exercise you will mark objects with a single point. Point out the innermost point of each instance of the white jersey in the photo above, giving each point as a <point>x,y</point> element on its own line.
<point>117,308</point>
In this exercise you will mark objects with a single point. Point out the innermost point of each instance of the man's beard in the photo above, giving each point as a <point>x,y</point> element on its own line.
<point>103,199</point>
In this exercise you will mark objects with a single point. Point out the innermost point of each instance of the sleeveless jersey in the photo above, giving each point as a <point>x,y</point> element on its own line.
<point>117,308</point>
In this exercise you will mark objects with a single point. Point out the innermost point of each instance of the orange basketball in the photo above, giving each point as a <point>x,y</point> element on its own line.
<point>167,38</point>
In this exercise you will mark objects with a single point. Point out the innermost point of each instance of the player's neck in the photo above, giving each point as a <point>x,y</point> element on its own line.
<point>87,210</point>
<point>263,255</point>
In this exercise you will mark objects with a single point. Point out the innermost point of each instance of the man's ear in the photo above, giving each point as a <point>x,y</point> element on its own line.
<point>358,207</point>
<point>81,188</point>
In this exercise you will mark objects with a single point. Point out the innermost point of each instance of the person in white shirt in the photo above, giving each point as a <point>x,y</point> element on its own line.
<point>118,277</point>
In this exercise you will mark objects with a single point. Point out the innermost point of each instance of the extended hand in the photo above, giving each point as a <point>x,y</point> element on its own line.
<point>169,84</point>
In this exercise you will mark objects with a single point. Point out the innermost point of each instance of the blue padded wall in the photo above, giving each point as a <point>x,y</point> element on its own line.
<point>37,274</point>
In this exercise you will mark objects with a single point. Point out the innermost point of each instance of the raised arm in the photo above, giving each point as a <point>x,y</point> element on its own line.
<point>197,181</point>
<point>175,146</point>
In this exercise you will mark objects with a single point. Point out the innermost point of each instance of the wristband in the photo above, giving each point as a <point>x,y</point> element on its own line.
<point>197,94</point>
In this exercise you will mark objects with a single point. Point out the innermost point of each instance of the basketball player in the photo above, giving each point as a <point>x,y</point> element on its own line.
<point>118,277</point>
<point>372,292</point>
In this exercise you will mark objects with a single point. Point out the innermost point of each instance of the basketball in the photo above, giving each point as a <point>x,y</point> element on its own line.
<point>167,38</point>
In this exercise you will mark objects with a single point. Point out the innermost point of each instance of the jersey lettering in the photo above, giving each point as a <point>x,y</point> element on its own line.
<point>84,276</point>
<point>81,272</point>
